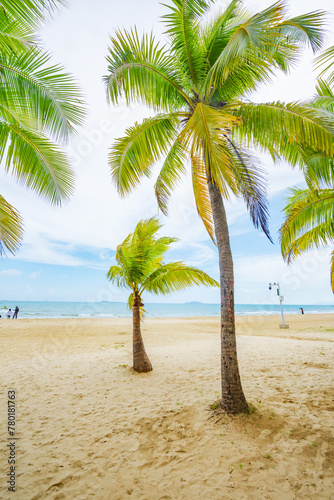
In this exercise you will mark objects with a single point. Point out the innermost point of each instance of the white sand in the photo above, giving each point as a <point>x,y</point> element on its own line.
<point>91,428</point>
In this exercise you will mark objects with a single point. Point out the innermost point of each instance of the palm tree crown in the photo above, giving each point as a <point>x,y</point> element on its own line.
<point>196,84</point>
<point>39,104</point>
<point>141,267</point>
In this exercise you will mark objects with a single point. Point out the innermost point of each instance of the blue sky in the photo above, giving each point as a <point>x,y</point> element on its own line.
<point>67,252</point>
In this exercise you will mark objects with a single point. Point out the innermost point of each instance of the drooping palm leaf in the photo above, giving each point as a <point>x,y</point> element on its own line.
<point>30,12</point>
<point>140,69</point>
<point>201,193</point>
<point>285,128</point>
<point>174,277</point>
<point>44,95</point>
<point>132,156</point>
<point>170,174</point>
<point>326,62</point>
<point>309,221</point>
<point>35,161</point>
<point>11,228</point>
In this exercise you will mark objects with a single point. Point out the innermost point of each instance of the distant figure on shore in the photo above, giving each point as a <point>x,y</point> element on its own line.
<point>16,310</point>
<point>301,310</point>
<point>9,314</point>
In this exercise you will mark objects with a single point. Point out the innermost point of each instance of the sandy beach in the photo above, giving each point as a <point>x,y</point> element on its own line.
<point>89,427</point>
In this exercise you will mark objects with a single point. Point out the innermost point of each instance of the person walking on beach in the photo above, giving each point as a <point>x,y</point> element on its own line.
<point>301,310</point>
<point>16,310</point>
<point>9,314</point>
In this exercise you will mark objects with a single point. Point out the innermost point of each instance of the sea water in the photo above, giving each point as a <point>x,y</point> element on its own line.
<point>163,310</point>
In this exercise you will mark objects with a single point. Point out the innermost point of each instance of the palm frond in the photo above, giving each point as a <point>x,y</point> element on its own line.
<point>218,32</point>
<point>174,277</point>
<point>170,174</point>
<point>326,62</point>
<point>140,69</point>
<point>309,221</point>
<point>186,42</point>
<point>30,12</point>
<point>132,156</point>
<point>285,128</point>
<point>11,228</point>
<point>251,182</point>
<point>36,162</point>
<point>205,135</point>
<point>201,193</point>
<point>14,37</point>
<point>307,28</point>
<point>46,96</point>
<point>116,275</point>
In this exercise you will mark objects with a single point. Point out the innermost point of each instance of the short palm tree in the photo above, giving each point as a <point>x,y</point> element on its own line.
<point>39,106</point>
<point>141,269</point>
<point>309,213</point>
<point>198,85</point>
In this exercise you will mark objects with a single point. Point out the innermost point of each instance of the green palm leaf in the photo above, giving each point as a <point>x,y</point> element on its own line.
<point>45,95</point>
<point>11,228</point>
<point>174,277</point>
<point>201,193</point>
<point>132,156</point>
<point>139,69</point>
<point>30,12</point>
<point>37,162</point>
<point>284,128</point>
<point>309,221</point>
<point>186,43</point>
<point>170,174</point>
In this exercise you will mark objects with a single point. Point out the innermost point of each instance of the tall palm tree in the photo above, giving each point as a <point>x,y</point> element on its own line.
<point>40,105</point>
<point>197,84</point>
<point>309,213</point>
<point>141,269</point>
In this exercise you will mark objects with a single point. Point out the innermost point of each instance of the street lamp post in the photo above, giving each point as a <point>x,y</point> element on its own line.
<point>281,298</point>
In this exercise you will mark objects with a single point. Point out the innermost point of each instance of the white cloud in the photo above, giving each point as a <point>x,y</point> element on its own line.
<point>10,272</point>
<point>34,275</point>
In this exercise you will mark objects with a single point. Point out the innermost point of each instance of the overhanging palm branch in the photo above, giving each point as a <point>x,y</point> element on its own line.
<point>44,95</point>
<point>309,222</point>
<point>37,100</point>
<point>30,12</point>
<point>11,228</point>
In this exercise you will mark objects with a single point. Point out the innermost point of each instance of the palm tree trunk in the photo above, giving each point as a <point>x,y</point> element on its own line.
<point>141,362</point>
<point>233,399</point>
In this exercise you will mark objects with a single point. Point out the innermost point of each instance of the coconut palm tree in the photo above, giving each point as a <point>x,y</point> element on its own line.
<point>198,85</point>
<point>39,106</point>
<point>309,213</point>
<point>141,269</point>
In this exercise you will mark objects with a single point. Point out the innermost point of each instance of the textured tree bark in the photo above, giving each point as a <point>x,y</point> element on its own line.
<point>141,362</point>
<point>233,399</point>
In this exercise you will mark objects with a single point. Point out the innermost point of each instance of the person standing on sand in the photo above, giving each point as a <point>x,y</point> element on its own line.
<point>16,310</point>
<point>301,310</point>
<point>9,313</point>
